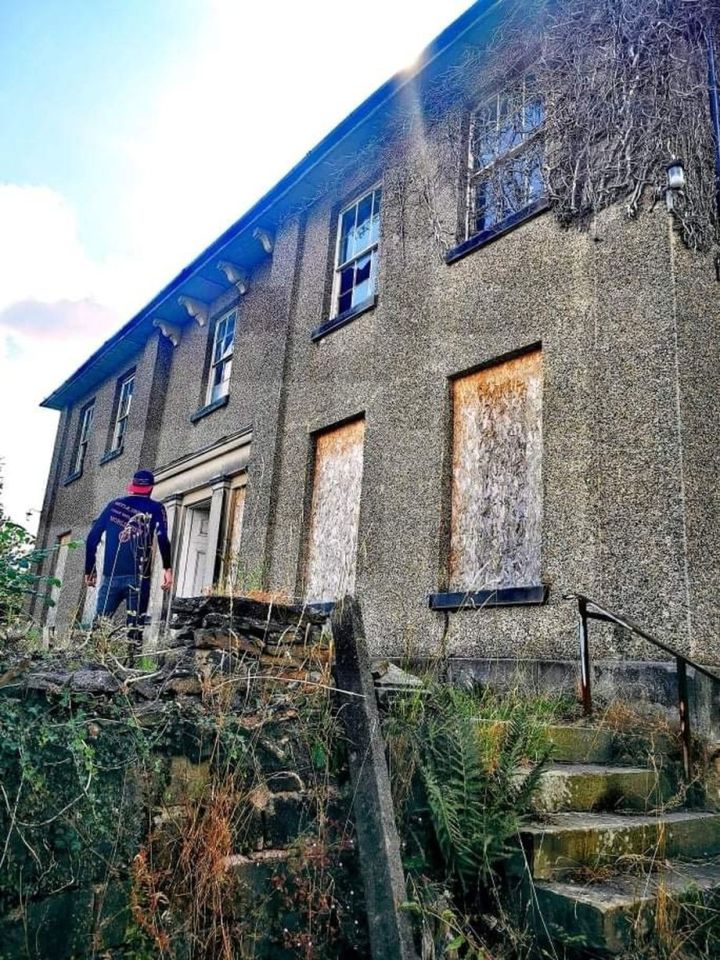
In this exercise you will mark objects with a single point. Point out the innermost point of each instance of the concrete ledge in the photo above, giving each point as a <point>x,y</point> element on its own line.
<point>569,841</point>
<point>606,914</point>
<point>342,318</point>
<point>478,599</point>
<point>209,408</point>
<point>111,455</point>
<point>494,233</point>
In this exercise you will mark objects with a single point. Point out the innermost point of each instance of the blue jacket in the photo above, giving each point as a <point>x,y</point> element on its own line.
<point>129,524</point>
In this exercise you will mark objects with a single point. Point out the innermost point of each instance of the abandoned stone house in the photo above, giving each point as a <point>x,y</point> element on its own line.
<point>457,411</point>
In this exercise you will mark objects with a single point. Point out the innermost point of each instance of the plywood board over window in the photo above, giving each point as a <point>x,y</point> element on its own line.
<point>231,554</point>
<point>333,535</point>
<point>497,476</point>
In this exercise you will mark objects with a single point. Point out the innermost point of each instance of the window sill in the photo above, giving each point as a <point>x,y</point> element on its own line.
<point>504,597</point>
<point>325,608</point>
<point>494,233</point>
<point>72,477</point>
<point>342,318</point>
<point>209,408</point>
<point>111,455</point>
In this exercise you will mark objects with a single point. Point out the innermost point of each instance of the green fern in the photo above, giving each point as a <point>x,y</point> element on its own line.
<point>474,795</point>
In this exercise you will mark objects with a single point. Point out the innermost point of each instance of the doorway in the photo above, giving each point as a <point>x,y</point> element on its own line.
<point>194,551</point>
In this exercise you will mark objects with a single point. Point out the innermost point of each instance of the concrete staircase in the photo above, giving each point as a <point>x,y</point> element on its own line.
<point>608,839</point>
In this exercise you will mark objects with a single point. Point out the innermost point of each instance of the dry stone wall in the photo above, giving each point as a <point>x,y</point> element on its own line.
<point>201,800</point>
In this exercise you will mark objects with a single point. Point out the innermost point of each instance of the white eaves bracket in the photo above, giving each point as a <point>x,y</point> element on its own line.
<point>264,238</point>
<point>235,274</point>
<point>170,330</point>
<point>196,309</point>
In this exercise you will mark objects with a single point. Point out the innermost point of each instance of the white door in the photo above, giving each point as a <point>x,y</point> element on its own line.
<point>195,548</point>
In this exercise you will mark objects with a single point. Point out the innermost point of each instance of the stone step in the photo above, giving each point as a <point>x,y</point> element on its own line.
<point>566,842</point>
<point>569,744</point>
<point>587,787</point>
<point>576,743</point>
<point>607,916</point>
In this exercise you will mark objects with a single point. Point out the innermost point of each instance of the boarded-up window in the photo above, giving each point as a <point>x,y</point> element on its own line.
<point>337,485</point>
<point>497,478</point>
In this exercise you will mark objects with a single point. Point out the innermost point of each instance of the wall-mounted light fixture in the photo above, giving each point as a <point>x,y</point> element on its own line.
<point>675,183</point>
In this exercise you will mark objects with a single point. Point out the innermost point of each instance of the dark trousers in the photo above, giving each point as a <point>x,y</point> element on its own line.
<point>134,592</point>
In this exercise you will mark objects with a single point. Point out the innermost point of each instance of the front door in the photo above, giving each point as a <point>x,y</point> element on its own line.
<point>194,553</point>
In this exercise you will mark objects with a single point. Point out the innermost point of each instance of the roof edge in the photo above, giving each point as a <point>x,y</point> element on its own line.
<point>384,93</point>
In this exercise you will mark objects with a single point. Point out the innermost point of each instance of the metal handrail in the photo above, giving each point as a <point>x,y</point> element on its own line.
<point>589,609</point>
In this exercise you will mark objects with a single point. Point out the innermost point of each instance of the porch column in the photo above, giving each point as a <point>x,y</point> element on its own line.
<point>157,597</point>
<point>219,488</point>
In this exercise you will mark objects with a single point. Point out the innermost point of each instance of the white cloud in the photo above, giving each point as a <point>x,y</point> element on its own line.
<point>51,317</point>
<point>59,320</point>
<point>39,247</point>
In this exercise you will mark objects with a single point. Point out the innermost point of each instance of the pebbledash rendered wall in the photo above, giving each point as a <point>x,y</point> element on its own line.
<point>627,320</point>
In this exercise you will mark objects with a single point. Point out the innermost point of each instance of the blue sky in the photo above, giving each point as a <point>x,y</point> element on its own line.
<point>74,74</point>
<point>133,133</point>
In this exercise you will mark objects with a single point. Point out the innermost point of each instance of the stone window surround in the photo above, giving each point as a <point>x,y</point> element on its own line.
<point>471,240</point>
<point>335,320</point>
<point>221,308</point>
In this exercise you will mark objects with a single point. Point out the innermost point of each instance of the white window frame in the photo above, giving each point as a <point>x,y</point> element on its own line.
<point>531,141</point>
<point>372,248</point>
<point>222,363</point>
<point>126,388</point>
<point>87,418</point>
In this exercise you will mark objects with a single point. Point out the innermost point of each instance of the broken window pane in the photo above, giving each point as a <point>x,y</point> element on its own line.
<point>221,366</point>
<point>497,476</point>
<point>357,252</point>
<point>332,540</point>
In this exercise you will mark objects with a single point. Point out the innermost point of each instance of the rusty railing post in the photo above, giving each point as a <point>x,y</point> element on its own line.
<point>585,689</point>
<point>684,708</point>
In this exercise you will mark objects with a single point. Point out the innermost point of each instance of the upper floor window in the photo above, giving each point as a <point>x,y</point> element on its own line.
<point>357,252</point>
<point>506,156</point>
<point>87,416</point>
<point>125,395</point>
<point>222,356</point>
